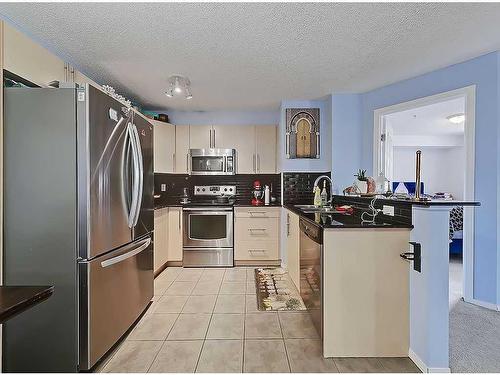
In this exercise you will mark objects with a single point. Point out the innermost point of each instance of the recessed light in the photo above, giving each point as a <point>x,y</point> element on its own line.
<point>457,118</point>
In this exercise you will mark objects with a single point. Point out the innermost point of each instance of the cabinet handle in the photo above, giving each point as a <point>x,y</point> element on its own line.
<point>180,214</point>
<point>288,225</point>
<point>258,163</point>
<point>253,163</point>
<point>256,251</point>
<point>257,213</point>
<point>210,137</point>
<point>214,139</point>
<point>173,162</point>
<point>187,163</point>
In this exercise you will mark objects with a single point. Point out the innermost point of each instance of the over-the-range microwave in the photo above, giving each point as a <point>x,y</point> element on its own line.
<point>212,161</point>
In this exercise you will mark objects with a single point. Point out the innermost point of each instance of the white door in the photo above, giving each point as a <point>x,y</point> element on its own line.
<point>200,136</point>
<point>181,159</point>
<point>164,146</point>
<point>22,56</point>
<point>265,148</point>
<point>242,139</point>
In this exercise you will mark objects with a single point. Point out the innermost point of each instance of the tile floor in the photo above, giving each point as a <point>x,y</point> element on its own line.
<point>206,320</point>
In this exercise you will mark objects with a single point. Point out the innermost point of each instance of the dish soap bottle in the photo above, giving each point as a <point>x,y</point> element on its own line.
<point>324,195</point>
<point>317,197</point>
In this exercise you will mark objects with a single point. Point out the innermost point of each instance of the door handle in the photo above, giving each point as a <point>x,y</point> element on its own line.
<point>415,256</point>
<point>120,258</point>
<point>141,174</point>
<point>135,182</point>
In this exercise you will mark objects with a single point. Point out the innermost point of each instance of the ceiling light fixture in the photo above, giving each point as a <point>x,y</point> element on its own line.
<point>457,118</point>
<point>179,85</point>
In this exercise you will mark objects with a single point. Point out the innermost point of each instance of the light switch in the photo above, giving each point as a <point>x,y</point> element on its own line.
<point>163,187</point>
<point>388,210</point>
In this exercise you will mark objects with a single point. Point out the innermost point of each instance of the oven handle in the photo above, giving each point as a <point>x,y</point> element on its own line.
<point>207,209</point>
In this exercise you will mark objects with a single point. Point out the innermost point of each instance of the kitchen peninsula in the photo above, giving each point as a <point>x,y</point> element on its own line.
<point>371,274</point>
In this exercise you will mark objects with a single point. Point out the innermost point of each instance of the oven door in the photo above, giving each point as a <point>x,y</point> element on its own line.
<point>208,227</point>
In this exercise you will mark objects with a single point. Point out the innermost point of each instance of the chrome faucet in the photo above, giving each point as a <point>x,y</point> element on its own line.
<point>330,201</point>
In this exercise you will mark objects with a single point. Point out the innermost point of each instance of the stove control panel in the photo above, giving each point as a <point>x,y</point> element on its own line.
<point>215,190</point>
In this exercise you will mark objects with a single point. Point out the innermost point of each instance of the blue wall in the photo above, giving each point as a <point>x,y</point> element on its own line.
<point>323,164</point>
<point>484,73</point>
<point>347,136</point>
<point>222,117</point>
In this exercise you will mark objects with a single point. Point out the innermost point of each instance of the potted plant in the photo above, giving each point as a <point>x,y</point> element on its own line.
<point>361,181</point>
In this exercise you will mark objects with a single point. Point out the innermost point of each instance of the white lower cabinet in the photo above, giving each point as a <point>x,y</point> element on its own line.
<point>292,246</point>
<point>256,235</point>
<point>160,238</point>
<point>175,234</point>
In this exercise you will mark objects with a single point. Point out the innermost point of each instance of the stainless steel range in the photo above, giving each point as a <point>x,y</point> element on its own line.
<point>208,227</point>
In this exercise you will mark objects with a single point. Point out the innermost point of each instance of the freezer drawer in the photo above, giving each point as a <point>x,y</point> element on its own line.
<point>207,257</point>
<point>114,290</point>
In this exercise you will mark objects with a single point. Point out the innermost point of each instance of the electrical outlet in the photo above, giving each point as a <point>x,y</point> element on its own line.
<point>388,210</point>
<point>163,187</point>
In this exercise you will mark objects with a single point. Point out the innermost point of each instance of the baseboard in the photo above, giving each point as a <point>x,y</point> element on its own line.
<point>257,263</point>
<point>160,270</point>
<point>486,305</point>
<point>174,263</point>
<point>423,367</point>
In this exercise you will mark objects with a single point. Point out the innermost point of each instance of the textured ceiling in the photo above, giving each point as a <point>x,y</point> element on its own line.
<point>429,119</point>
<point>252,56</point>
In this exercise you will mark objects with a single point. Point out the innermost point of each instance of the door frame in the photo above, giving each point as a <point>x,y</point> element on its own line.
<point>469,94</point>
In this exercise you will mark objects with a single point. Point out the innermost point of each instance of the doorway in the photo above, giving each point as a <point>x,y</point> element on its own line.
<point>442,127</point>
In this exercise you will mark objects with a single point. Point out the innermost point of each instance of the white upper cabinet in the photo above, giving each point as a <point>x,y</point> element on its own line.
<point>200,136</point>
<point>27,59</point>
<point>241,138</point>
<point>164,146</point>
<point>181,159</point>
<point>255,145</point>
<point>265,148</point>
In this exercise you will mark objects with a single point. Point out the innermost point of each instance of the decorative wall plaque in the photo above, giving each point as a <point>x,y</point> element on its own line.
<point>302,133</point>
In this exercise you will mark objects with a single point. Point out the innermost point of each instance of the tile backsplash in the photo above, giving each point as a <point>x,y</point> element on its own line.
<point>175,183</point>
<point>298,187</point>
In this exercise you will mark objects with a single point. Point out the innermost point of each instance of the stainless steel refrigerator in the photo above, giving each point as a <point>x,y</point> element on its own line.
<point>78,214</point>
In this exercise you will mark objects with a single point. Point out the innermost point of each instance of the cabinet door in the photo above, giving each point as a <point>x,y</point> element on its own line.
<point>27,59</point>
<point>265,146</point>
<point>175,234</point>
<point>160,238</point>
<point>292,247</point>
<point>164,146</point>
<point>200,136</point>
<point>181,159</point>
<point>241,138</point>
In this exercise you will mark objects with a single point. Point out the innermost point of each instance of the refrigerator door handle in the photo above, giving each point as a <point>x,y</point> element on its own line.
<point>135,182</point>
<point>141,174</point>
<point>120,258</point>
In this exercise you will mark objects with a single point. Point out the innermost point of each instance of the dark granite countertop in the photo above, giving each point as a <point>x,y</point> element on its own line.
<point>16,299</point>
<point>341,220</point>
<point>237,204</point>
<point>410,202</point>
